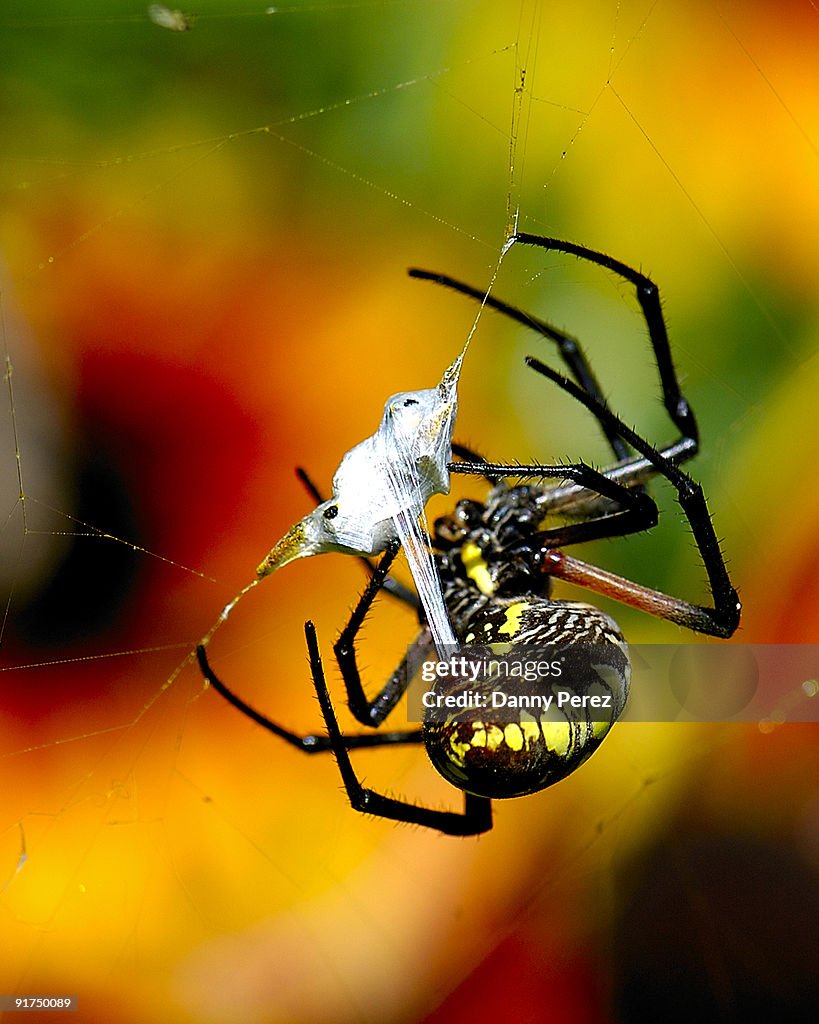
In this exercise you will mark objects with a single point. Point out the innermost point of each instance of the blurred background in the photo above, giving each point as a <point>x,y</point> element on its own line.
<point>205,237</point>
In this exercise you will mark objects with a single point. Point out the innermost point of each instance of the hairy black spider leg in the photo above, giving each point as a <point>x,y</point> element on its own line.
<point>477,813</point>
<point>310,743</point>
<point>648,295</point>
<point>637,509</point>
<point>468,455</point>
<point>568,346</point>
<point>370,712</point>
<point>723,618</point>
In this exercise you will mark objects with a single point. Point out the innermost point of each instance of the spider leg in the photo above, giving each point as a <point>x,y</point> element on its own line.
<point>463,452</point>
<point>310,743</point>
<point>634,510</point>
<point>635,472</point>
<point>720,620</point>
<point>569,347</point>
<point>372,712</point>
<point>477,813</point>
<point>648,295</point>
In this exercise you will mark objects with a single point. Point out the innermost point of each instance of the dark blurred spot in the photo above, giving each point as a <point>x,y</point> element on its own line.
<point>718,928</point>
<point>91,586</point>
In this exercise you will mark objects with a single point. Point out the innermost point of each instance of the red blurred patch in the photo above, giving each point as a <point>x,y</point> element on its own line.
<point>521,982</point>
<point>182,439</point>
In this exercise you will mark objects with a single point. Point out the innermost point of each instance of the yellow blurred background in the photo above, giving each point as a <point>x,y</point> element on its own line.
<point>205,237</point>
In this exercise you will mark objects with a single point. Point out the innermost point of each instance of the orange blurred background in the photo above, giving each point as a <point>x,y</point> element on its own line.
<point>205,239</point>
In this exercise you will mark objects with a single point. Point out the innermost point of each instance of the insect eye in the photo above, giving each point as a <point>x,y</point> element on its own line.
<point>410,401</point>
<point>331,512</point>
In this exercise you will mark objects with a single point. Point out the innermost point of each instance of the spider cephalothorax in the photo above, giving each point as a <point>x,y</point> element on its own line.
<point>485,544</point>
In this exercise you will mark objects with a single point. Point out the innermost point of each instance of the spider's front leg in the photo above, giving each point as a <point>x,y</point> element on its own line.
<point>371,712</point>
<point>648,296</point>
<point>568,347</point>
<point>477,813</point>
<point>632,509</point>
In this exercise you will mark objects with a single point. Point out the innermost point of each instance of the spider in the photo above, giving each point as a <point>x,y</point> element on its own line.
<point>496,560</point>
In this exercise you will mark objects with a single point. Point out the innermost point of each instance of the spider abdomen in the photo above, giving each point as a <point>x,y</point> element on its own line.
<point>529,699</point>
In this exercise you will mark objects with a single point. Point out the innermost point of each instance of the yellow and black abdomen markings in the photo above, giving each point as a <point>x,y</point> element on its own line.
<point>540,686</point>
